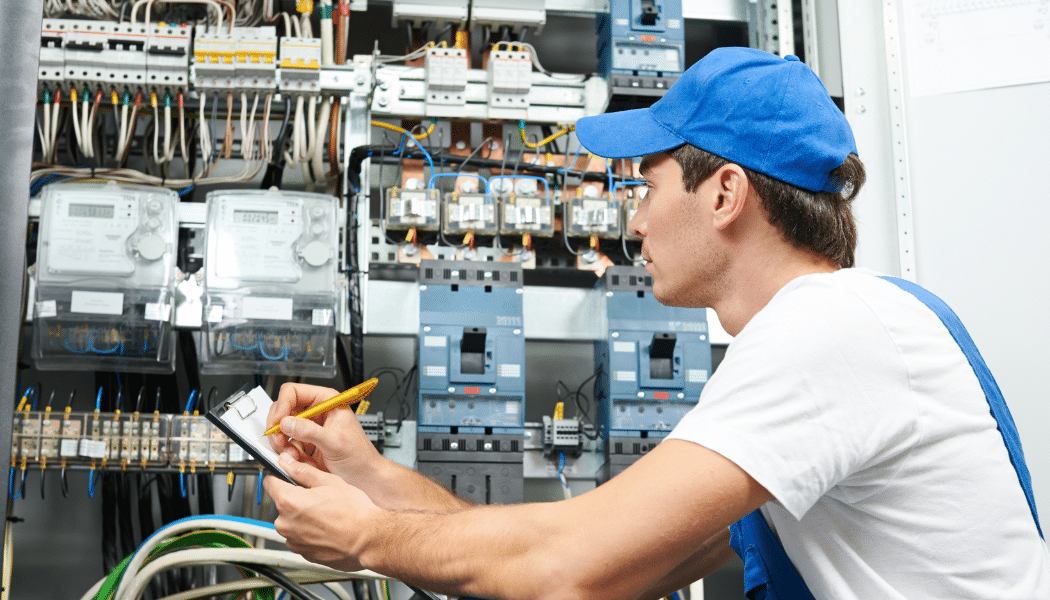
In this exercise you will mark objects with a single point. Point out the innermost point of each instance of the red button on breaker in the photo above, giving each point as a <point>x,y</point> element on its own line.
<point>661,395</point>
<point>472,390</point>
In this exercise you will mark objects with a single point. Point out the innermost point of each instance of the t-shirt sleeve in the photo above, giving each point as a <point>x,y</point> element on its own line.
<point>810,395</point>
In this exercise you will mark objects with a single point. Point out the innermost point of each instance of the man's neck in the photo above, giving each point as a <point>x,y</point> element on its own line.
<point>754,279</point>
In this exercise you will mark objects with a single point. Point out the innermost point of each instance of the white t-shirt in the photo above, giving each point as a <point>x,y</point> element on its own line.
<point>850,402</point>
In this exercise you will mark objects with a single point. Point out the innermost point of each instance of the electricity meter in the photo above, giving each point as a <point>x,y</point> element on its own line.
<point>105,278</point>
<point>594,216</point>
<point>270,277</point>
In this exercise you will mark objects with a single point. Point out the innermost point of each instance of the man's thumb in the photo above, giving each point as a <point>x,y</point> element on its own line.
<point>302,473</point>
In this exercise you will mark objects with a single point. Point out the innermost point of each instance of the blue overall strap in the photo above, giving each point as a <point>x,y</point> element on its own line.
<point>768,572</point>
<point>995,399</point>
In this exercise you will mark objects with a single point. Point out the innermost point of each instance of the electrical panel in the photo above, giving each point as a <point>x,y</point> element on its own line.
<point>270,283</point>
<point>105,278</point>
<point>472,378</point>
<point>96,440</point>
<point>470,213</point>
<point>654,363</point>
<point>641,46</point>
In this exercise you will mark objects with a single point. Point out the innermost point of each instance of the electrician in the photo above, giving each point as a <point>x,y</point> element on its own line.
<point>846,446</point>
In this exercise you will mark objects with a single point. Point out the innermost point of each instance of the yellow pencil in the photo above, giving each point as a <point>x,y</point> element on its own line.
<point>347,398</point>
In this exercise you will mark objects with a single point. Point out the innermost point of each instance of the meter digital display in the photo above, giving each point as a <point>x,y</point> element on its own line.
<point>256,217</point>
<point>92,211</point>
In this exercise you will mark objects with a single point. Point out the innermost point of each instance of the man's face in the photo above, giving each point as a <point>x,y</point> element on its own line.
<point>678,243</point>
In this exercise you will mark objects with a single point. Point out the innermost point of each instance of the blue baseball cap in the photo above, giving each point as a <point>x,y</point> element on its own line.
<point>763,112</point>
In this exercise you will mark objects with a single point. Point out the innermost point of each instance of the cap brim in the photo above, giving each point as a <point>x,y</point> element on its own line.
<point>625,134</point>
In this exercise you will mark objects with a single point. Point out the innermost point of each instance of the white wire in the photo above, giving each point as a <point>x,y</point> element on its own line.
<point>188,525</point>
<point>85,129</point>
<point>308,29</point>
<point>93,591</point>
<point>76,126</point>
<point>208,556</point>
<point>297,26</point>
<point>122,132</point>
<point>254,583</point>
<point>149,7</point>
<point>311,131</point>
<point>57,112</point>
<point>169,140</point>
<point>327,37</point>
<point>205,134</point>
<point>183,148</point>
<point>43,127</point>
<point>317,160</point>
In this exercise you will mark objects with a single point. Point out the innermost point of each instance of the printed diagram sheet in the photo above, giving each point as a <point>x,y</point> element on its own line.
<point>961,45</point>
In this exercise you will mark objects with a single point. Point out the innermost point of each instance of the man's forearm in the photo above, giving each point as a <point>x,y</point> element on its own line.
<point>708,558</point>
<point>394,487</point>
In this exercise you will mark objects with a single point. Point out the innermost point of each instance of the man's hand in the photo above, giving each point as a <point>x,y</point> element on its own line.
<point>326,520</point>
<point>332,442</point>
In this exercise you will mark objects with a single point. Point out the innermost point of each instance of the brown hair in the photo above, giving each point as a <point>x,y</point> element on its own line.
<point>821,222</point>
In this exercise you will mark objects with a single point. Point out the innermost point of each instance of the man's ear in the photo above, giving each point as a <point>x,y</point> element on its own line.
<point>731,191</point>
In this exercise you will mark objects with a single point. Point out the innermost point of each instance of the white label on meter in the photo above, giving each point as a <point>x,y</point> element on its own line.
<point>88,232</point>
<point>255,241</point>
<point>435,341</point>
<point>237,454</point>
<point>98,303</point>
<point>623,346</point>
<point>258,307</point>
<point>46,309</point>
<point>321,317</point>
<point>155,311</point>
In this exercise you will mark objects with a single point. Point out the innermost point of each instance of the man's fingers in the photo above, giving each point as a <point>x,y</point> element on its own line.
<point>309,432</point>
<point>304,474</point>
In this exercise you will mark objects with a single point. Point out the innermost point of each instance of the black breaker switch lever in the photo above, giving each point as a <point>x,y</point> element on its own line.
<point>661,356</point>
<point>472,351</point>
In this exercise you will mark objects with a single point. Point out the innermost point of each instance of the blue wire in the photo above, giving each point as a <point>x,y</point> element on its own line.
<point>259,488</point>
<point>91,345</point>
<point>185,191</point>
<point>189,403</point>
<point>282,356</point>
<point>424,150</point>
<point>258,379</point>
<point>561,463</point>
<point>433,177</point>
<point>53,178</point>
<point>65,341</point>
<point>11,486</point>
<point>25,394</point>
<point>98,399</point>
<point>199,517</point>
<point>92,481</point>
<point>252,347</point>
<point>182,483</point>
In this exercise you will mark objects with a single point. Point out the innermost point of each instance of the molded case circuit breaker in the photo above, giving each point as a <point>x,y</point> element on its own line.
<point>641,46</point>
<point>472,378</point>
<point>654,362</point>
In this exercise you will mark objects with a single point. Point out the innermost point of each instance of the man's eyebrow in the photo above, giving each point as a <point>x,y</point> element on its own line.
<point>647,163</point>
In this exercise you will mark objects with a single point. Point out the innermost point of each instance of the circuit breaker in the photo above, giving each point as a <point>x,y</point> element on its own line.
<point>105,278</point>
<point>472,378</point>
<point>270,283</point>
<point>654,362</point>
<point>641,46</point>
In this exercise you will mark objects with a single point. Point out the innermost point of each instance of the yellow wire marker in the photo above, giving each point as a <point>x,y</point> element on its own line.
<point>350,396</point>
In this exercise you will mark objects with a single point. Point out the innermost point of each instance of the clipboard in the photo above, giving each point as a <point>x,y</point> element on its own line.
<point>242,417</point>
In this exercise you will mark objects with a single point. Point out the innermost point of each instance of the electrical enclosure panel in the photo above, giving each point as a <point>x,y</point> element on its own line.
<point>654,361</point>
<point>593,216</point>
<point>641,45</point>
<point>270,283</point>
<point>98,440</point>
<point>446,82</point>
<point>510,79</point>
<point>106,278</point>
<point>300,65</point>
<point>167,58</point>
<point>469,213</point>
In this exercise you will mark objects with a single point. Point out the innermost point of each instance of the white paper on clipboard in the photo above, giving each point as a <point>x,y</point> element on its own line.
<point>243,419</point>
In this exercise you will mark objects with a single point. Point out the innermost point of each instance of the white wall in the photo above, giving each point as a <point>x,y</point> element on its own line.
<point>978,166</point>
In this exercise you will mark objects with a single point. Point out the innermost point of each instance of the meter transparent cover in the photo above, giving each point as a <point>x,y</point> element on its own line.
<point>271,270</point>
<point>105,278</point>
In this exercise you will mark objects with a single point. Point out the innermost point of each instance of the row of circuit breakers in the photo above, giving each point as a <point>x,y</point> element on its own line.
<point>641,51</point>
<point>652,364</point>
<point>105,281</point>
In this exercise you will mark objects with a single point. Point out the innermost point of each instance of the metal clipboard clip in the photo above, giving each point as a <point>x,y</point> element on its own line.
<point>243,404</point>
